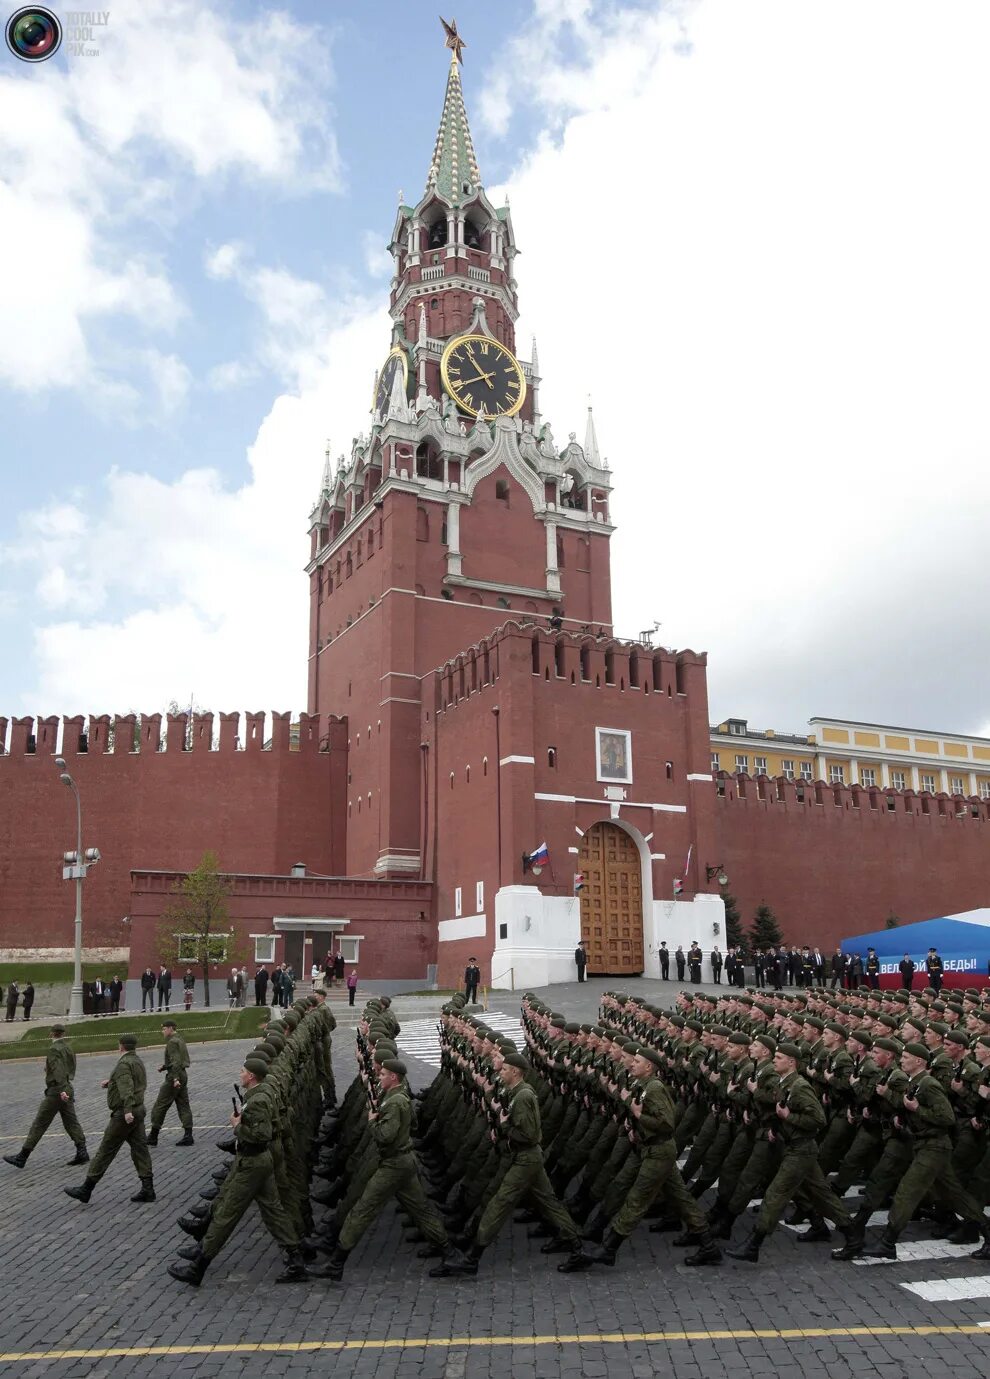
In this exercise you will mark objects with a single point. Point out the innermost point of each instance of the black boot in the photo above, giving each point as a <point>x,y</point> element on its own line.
<point>687,1238</point>
<point>966,1233</point>
<point>666,1223</point>
<point>83,1192</point>
<point>796,1216</point>
<point>152,1137</point>
<point>229,1145</point>
<point>220,1173</point>
<point>200,1211</point>
<point>147,1193</point>
<point>577,1261</point>
<point>193,1226</point>
<point>187,1138</point>
<point>557,1245</point>
<point>188,1252</point>
<point>209,1193</point>
<point>191,1272</point>
<point>295,1267</point>
<point>855,1234</point>
<point>984,1251</point>
<point>456,1262</point>
<point>885,1247</point>
<point>699,1188</point>
<point>817,1231</point>
<point>720,1221</point>
<point>81,1157</point>
<point>333,1269</point>
<point>19,1159</point>
<point>706,1253</point>
<point>596,1227</point>
<point>749,1250</point>
<point>605,1252</point>
<point>431,1251</point>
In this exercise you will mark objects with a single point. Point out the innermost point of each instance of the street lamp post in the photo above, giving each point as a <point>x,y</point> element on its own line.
<point>75,866</point>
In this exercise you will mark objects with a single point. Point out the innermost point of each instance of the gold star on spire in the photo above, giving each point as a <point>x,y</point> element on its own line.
<point>453,39</point>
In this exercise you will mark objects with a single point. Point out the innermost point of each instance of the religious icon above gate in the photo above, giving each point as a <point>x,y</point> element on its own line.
<point>614,754</point>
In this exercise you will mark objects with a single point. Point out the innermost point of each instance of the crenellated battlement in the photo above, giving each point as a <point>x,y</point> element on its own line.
<point>132,734</point>
<point>859,800</point>
<point>561,657</point>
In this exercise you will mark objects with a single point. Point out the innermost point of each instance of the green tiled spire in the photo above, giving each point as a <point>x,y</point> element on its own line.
<point>453,162</point>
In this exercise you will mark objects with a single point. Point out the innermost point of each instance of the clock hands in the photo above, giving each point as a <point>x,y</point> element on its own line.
<point>477,378</point>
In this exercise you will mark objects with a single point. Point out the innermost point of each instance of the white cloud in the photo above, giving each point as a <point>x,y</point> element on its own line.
<point>755,235</point>
<point>777,289</point>
<point>171,379</point>
<point>233,373</point>
<point>204,574</point>
<point>179,92</point>
<point>377,260</point>
<point>224,261</point>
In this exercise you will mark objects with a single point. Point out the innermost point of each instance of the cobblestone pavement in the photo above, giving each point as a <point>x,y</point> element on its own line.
<point>86,1294</point>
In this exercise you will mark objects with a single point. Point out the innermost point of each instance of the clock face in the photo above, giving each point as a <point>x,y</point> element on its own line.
<point>395,363</point>
<point>478,372</point>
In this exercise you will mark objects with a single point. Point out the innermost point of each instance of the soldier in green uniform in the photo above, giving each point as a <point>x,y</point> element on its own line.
<point>60,1069</point>
<point>801,1118</point>
<point>125,1088</point>
<point>175,1061</point>
<point>395,1176</point>
<point>926,1111</point>
<point>656,1176</point>
<point>252,1179</point>
<point>525,1177</point>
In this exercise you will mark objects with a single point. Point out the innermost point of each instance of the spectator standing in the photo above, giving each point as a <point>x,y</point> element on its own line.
<point>147,989</point>
<point>759,968</point>
<point>261,986</point>
<point>116,990</point>
<point>328,971</point>
<point>694,963</point>
<point>780,968</point>
<point>679,960</point>
<point>28,999</point>
<point>806,977</point>
<point>664,956</point>
<point>338,967</point>
<point>288,985</point>
<point>793,967</point>
<point>315,974</point>
<point>164,985</point>
<point>906,967</point>
<point>472,976</point>
<point>277,986</point>
<point>838,969</point>
<point>818,961</point>
<point>580,960</point>
<point>242,987</point>
<point>188,987</point>
<point>935,969</point>
<point>352,980</point>
<point>232,982</point>
<point>873,969</point>
<point>855,971</point>
<point>716,966</point>
<point>98,990</point>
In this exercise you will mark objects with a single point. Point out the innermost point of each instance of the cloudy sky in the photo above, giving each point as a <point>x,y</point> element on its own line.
<point>754,234</point>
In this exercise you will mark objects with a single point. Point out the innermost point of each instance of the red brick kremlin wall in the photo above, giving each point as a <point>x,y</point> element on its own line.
<point>259,809</point>
<point>839,861</point>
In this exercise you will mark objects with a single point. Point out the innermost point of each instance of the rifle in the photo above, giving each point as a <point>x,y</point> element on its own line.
<point>238,1097</point>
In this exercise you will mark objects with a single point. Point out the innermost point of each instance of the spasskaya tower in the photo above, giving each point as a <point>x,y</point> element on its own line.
<point>455,512</point>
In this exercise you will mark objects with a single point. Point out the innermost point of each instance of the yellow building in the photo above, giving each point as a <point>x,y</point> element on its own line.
<point>868,754</point>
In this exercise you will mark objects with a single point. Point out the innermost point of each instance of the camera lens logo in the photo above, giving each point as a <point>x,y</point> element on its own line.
<point>33,34</point>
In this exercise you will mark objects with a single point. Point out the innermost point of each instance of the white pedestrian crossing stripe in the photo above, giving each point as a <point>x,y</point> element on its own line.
<point>923,1249</point>
<point>951,1289</point>
<point>420,1039</point>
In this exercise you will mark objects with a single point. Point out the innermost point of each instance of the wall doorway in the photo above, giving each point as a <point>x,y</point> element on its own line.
<point>611,901</point>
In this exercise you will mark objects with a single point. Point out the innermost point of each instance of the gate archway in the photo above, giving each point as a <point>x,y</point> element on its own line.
<point>611,901</point>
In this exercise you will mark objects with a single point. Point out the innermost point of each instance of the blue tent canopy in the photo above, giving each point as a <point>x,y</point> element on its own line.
<point>963,947</point>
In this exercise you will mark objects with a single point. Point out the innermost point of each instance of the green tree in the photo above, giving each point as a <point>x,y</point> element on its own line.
<point>893,921</point>
<point>764,932</point>
<point>734,937</point>
<point>195,928</point>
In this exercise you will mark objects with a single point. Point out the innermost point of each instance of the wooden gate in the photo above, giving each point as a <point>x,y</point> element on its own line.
<point>611,900</point>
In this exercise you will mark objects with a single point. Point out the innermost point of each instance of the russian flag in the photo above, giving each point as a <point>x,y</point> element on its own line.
<point>540,857</point>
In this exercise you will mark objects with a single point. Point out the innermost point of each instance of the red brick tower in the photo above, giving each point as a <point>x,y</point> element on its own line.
<point>455,513</point>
